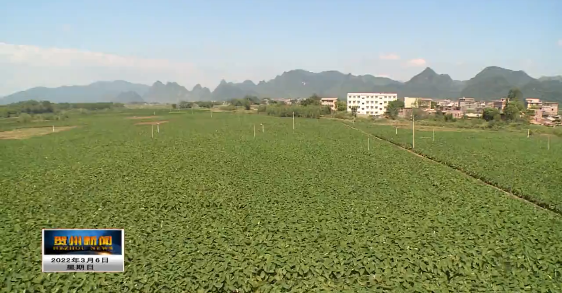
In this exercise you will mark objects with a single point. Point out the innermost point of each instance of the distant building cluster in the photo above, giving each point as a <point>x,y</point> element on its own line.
<point>545,113</point>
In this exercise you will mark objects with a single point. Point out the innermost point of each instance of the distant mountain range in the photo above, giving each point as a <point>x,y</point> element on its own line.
<point>491,83</point>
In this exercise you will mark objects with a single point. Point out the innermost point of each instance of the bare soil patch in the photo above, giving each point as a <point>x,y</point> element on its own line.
<point>152,122</point>
<point>141,117</point>
<point>31,132</point>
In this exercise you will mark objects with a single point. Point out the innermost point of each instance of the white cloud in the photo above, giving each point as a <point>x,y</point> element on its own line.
<point>390,56</point>
<point>416,62</point>
<point>30,66</point>
<point>58,57</point>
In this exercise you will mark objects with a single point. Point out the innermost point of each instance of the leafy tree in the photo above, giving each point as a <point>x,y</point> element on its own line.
<point>253,99</point>
<point>236,102</point>
<point>313,100</point>
<point>489,114</point>
<point>24,118</point>
<point>449,118</point>
<point>393,108</point>
<point>514,95</point>
<point>354,111</point>
<point>341,106</point>
<point>174,106</point>
<point>204,104</point>
<point>419,113</point>
<point>247,104</point>
<point>511,112</point>
<point>185,105</point>
<point>439,115</point>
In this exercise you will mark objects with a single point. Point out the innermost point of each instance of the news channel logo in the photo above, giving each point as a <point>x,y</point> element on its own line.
<point>83,250</point>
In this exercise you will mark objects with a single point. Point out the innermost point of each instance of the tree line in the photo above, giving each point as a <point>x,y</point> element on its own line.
<point>33,107</point>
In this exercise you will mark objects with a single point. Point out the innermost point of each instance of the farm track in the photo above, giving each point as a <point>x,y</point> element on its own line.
<point>523,198</point>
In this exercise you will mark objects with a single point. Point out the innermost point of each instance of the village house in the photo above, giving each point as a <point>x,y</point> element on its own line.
<point>550,108</point>
<point>480,105</point>
<point>546,108</point>
<point>537,117</point>
<point>533,103</point>
<point>499,104</point>
<point>457,114</point>
<point>331,102</point>
<point>423,103</point>
<point>404,112</point>
<point>467,104</point>
<point>448,105</point>
<point>442,103</point>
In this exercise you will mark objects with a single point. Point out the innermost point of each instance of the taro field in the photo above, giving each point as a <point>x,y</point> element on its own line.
<point>208,207</point>
<point>530,167</point>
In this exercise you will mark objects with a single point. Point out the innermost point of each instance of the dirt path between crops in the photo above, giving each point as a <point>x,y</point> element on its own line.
<point>508,193</point>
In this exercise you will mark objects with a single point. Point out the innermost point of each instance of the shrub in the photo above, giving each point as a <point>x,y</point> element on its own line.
<point>228,108</point>
<point>342,115</point>
<point>24,118</point>
<point>48,116</point>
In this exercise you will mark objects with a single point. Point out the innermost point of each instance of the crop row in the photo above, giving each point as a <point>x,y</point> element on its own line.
<point>206,207</point>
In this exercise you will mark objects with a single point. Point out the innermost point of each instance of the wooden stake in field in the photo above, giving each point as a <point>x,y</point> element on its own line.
<point>528,132</point>
<point>262,128</point>
<point>158,127</point>
<point>254,131</point>
<point>396,130</point>
<point>53,128</point>
<point>211,113</point>
<point>152,129</point>
<point>293,120</point>
<point>413,131</point>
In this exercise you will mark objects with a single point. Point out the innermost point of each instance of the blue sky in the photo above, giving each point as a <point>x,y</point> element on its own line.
<point>54,43</point>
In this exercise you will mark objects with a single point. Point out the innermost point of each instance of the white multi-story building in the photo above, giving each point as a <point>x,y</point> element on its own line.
<point>370,103</point>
